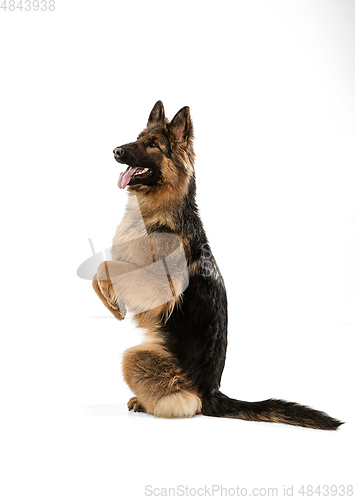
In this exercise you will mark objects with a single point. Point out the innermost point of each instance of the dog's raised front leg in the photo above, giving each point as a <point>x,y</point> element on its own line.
<point>137,289</point>
<point>104,289</point>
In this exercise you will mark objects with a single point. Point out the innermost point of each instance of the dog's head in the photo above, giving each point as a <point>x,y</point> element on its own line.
<point>161,156</point>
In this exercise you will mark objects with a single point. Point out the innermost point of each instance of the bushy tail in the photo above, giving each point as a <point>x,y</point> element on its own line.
<point>270,410</point>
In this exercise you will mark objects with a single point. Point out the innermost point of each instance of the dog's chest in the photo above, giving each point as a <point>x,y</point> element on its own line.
<point>131,242</point>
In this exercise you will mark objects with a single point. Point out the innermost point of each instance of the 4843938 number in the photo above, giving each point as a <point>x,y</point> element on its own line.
<point>325,490</point>
<point>27,5</point>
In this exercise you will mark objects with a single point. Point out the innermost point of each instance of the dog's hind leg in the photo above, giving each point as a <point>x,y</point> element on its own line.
<point>135,405</point>
<point>160,387</point>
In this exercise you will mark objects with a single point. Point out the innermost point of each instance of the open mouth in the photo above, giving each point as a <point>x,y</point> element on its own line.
<point>133,173</point>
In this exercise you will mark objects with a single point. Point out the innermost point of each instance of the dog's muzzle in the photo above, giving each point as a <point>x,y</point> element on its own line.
<point>118,152</point>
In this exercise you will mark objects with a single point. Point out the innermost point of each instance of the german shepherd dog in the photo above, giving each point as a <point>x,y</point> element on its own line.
<point>176,371</point>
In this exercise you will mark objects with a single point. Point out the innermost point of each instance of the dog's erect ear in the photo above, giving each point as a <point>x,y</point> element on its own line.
<point>157,115</point>
<point>180,127</point>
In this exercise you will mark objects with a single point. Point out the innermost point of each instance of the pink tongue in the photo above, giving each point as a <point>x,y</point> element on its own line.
<point>126,176</point>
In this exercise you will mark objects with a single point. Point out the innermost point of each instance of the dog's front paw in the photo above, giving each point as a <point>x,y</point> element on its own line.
<point>104,289</point>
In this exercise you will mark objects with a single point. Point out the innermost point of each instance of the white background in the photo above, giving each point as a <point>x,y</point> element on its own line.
<point>271,91</point>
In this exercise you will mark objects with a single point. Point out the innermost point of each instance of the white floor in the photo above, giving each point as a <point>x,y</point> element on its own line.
<point>68,434</point>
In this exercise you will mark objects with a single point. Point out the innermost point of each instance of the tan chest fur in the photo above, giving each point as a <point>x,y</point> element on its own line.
<point>131,241</point>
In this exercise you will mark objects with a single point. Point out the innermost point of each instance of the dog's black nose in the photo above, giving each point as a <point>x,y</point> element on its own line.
<point>118,151</point>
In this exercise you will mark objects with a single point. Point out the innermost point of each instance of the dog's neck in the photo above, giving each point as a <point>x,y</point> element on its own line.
<point>162,207</point>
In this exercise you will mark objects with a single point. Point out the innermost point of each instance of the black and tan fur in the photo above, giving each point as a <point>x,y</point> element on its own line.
<point>176,371</point>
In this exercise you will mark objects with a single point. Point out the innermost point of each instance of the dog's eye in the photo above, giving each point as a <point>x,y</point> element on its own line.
<point>153,144</point>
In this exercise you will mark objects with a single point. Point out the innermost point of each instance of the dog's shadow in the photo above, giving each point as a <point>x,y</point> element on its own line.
<point>112,410</point>
<point>121,410</point>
